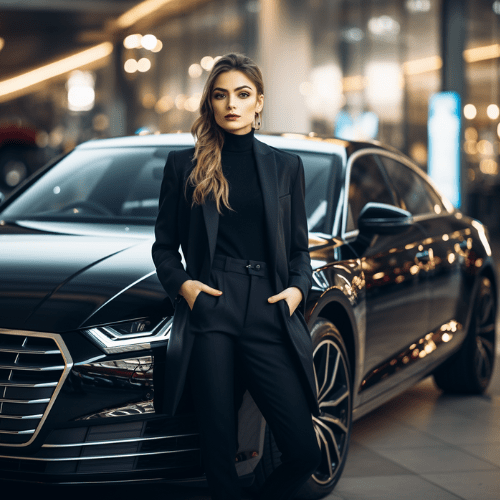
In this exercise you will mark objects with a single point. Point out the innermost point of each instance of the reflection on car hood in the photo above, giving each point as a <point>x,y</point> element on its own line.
<point>55,282</point>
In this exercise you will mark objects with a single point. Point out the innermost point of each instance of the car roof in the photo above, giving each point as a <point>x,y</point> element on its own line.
<point>313,143</point>
<point>298,142</point>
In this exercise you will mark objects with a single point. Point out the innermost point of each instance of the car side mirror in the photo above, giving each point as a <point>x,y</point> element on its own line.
<point>380,218</point>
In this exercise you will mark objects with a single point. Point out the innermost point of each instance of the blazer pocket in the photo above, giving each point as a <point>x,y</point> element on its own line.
<point>197,300</point>
<point>284,196</point>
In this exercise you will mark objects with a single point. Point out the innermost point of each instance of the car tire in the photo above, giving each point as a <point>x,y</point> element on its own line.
<point>470,369</point>
<point>333,426</point>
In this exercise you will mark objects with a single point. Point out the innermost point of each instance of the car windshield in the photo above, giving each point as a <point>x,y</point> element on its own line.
<point>123,185</point>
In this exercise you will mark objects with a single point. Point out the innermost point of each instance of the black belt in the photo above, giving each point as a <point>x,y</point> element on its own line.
<point>242,266</point>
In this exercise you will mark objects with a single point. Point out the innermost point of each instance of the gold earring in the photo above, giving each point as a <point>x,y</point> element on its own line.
<point>257,123</point>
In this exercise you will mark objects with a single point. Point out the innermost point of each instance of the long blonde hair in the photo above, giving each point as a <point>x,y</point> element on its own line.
<point>207,175</point>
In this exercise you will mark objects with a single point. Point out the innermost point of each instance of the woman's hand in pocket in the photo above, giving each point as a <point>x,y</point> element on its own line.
<point>191,288</point>
<point>292,296</point>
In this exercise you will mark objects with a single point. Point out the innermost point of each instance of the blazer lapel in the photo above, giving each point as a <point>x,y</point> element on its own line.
<point>211,217</point>
<point>268,177</point>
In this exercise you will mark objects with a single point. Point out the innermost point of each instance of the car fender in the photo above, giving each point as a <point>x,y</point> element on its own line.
<point>351,321</point>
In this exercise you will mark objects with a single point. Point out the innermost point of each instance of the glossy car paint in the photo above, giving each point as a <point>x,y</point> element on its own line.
<point>401,301</point>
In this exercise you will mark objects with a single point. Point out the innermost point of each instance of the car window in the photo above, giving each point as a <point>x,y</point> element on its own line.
<point>415,194</point>
<point>110,183</point>
<point>124,183</point>
<point>320,172</point>
<point>366,184</point>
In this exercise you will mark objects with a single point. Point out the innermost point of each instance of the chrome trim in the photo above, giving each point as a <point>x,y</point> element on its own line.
<point>127,455</point>
<point>22,417</point>
<point>27,350</point>
<point>28,431</point>
<point>398,157</point>
<point>34,368</point>
<point>8,383</point>
<point>68,364</point>
<point>117,441</point>
<point>24,401</point>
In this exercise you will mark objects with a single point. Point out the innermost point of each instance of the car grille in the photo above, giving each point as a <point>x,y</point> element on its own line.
<point>156,447</point>
<point>33,367</point>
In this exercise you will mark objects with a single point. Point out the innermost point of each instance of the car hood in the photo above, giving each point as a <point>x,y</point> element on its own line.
<point>56,282</point>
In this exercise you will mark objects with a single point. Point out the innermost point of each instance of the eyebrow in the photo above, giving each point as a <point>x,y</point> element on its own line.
<point>238,88</point>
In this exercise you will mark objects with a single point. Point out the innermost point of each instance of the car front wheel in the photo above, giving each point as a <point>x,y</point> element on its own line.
<point>332,426</point>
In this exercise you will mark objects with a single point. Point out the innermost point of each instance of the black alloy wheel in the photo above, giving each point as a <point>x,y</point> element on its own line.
<point>332,426</point>
<point>469,371</point>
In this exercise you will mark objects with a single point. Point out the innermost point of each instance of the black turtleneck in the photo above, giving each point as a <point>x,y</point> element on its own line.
<point>241,232</point>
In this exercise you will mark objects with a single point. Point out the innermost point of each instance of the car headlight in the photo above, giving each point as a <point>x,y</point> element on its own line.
<point>136,335</point>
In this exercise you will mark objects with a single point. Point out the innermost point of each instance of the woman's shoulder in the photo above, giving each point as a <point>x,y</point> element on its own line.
<point>281,154</point>
<point>184,154</point>
<point>180,160</point>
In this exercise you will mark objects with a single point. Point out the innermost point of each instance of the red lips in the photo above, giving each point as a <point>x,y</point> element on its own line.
<point>231,115</point>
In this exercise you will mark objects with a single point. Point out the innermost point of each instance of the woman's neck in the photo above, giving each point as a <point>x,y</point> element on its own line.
<point>237,142</point>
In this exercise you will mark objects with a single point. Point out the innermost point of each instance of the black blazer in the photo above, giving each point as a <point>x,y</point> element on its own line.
<point>282,180</point>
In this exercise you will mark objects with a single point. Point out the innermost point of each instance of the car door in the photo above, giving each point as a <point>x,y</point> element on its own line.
<point>445,242</point>
<point>397,293</point>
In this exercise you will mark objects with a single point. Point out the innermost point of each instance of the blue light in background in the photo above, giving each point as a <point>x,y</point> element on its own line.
<point>444,144</point>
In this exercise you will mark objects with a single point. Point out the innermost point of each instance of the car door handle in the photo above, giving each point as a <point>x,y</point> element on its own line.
<point>423,256</point>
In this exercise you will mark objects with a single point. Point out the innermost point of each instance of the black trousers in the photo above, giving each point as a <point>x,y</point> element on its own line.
<point>240,336</point>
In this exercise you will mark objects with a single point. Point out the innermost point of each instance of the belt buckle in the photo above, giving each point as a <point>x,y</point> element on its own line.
<point>254,268</point>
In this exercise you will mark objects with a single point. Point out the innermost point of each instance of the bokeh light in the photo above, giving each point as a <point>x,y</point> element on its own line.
<point>493,111</point>
<point>195,70</point>
<point>470,111</point>
<point>132,41</point>
<point>149,42</point>
<point>143,64</point>
<point>130,66</point>
<point>207,63</point>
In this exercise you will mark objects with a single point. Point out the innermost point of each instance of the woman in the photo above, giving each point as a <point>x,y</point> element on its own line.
<point>236,207</point>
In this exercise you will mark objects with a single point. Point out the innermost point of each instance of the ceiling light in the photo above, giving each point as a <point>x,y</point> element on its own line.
<point>418,66</point>
<point>482,53</point>
<point>140,11</point>
<point>21,84</point>
<point>81,94</point>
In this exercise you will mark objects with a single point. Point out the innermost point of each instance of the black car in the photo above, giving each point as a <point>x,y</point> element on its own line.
<point>404,286</point>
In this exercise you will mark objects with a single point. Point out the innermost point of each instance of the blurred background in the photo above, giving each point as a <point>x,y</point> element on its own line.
<point>356,69</point>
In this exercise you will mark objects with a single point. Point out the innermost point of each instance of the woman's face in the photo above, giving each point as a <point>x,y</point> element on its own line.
<point>235,101</point>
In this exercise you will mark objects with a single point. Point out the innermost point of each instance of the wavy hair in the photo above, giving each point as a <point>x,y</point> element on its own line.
<point>207,176</point>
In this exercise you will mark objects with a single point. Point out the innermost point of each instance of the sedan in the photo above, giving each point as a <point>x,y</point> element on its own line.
<point>404,287</point>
